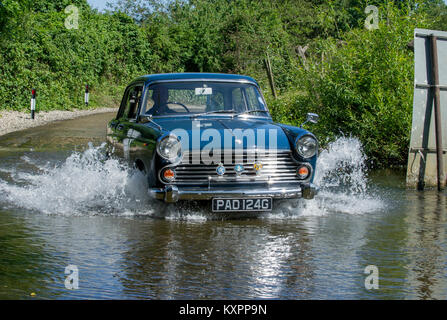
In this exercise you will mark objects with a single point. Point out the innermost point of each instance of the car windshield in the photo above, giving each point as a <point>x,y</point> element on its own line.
<point>203,97</point>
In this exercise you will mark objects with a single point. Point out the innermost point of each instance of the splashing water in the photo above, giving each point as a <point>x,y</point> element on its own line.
<point>341,177</point>
<point>84,183</point>
<point>89,183</point>
<point>342,166</point>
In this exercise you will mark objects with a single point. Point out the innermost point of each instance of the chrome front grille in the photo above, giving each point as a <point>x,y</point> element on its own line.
<point>278,167</point>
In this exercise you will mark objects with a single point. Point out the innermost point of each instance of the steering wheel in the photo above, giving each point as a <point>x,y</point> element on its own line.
<point>180,104</point>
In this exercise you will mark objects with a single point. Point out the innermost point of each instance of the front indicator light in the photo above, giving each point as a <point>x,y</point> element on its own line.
<point>168,175</point>
<point>303,172</point>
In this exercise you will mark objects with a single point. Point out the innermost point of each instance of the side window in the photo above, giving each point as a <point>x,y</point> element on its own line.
<point>132,101</point>
<point>149,101</point>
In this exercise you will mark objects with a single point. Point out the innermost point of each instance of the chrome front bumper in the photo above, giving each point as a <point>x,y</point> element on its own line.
<point>172,194</point>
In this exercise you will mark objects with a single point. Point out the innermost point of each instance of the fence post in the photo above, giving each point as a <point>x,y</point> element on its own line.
<point>33,102</point>
<point>86,96</point>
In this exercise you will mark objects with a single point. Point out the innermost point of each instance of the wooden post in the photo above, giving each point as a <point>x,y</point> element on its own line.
<point>268,67</point>
<point>437,110</point>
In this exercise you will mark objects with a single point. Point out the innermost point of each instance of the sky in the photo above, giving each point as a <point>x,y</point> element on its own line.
<point>99,4</point>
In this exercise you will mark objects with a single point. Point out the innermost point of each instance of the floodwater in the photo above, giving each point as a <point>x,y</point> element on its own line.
<point>62,203</point>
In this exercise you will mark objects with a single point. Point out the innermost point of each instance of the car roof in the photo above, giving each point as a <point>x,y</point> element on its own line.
<point>193,75</point>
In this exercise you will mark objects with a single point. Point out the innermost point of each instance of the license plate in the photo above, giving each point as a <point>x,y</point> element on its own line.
<point>234,204</point>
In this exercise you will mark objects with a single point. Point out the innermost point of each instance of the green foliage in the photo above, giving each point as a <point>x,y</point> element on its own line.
<point>40,52</point>
<point>359,81</point>
<point>362,85</point>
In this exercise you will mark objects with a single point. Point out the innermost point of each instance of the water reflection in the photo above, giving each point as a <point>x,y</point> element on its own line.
<point>213,260</point>
<point>408,246</point>
<point>426,245</point>
<point>20,251</point>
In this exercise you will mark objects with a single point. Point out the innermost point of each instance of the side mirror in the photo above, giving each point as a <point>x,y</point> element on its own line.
<point>148,118</point>
<point>144,118</point>
<point>312,118</point>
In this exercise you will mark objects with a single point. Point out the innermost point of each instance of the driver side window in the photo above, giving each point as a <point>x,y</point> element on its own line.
<point>132,101</point>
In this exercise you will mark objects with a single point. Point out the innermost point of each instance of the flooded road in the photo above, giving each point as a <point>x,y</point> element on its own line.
<point>62,203</point>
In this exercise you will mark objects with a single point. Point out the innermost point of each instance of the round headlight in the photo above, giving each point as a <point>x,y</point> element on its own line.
<point>169,148</point>
<point>306,146</point>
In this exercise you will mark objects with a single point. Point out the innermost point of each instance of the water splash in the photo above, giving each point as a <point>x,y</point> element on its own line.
<point>90,183</point>
<point>341,175</point>
<point>341,166</point>
<point>85,183</point>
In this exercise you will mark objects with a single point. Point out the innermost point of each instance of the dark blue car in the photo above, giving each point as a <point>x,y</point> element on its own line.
<point>204,136</point>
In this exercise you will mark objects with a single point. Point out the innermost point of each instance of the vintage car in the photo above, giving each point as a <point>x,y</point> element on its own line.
<point>205,136</point>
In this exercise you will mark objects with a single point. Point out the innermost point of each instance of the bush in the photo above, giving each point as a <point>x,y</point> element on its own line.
<point>362,85</point>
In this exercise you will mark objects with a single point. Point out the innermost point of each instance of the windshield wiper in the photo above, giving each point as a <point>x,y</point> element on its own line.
<point>251,111</point>
<point>211,112</point>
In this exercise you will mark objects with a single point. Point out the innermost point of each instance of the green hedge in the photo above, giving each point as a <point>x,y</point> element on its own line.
<point>359,82</point>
